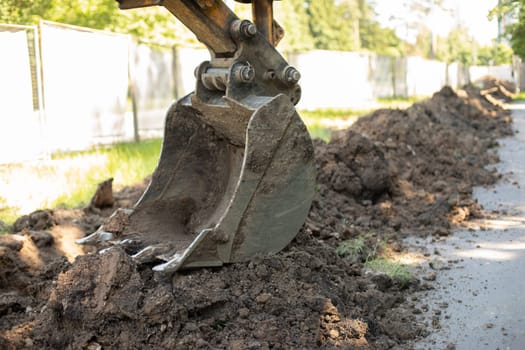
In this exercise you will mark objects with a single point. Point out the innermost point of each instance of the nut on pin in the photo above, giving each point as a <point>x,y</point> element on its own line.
<point>243,29</point>
<point>290,75</point>
<point>243,73</point>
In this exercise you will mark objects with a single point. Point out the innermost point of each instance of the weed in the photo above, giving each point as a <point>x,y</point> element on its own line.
<point>395,270</point>
<point>354,247</point>
<point>361,249</point>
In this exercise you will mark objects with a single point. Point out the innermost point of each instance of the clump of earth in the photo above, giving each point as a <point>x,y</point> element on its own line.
<point>393,174</point>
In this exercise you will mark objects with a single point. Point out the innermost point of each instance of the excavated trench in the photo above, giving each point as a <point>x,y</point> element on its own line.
<point>392,175</point>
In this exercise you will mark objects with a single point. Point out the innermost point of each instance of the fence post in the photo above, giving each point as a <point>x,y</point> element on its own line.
<point>132,90</point>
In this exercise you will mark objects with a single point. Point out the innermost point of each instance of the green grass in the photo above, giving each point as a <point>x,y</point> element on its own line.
<point>363,248</point>
<point>330,113</point>
<point>354,247</point>
<point>394,102</point>
<point>321,122</point>
<point>367,249</point>
<point>127,163</point>
<point>520,96</point>
<point>70,179</point>
<point>394,270</point>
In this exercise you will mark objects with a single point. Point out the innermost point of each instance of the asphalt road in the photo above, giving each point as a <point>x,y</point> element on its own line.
<point>479,296</point>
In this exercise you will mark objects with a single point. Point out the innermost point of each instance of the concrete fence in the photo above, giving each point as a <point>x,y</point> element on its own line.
<point>68,88</point>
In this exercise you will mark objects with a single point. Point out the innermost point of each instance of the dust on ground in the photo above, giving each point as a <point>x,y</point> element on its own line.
<point>393,174</point>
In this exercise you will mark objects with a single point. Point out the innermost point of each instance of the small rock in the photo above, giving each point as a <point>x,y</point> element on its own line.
<point>28,342</point>
<point>443,305</point>
<point>396,247</point>
<point>442,232</point>
<point>244,312</point>
<point>11,242</point>
<point>451,346</point>
<point>430,277</point>
<point>103,196</point>
<point>488,325</point>
<point>201,343</point>
<point>333,333</point>
<point>437,264</point>
<point>263,298</point>
<point>41,238</point>
<point>94,346</point>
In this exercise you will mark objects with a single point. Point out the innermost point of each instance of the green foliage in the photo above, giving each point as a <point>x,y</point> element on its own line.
<point>458,46</point>
<point>496,54</point>
<point>153,23</point>
<point>346,25</point>
<point>24,11</point>
<point>354,247</point>
<point>384,41</point>
<point>364,248</point>
<point>514,9</point>
<point>395,270</point>
<point>293,17</point>
<point>520,96</point>
<point>329,29</point>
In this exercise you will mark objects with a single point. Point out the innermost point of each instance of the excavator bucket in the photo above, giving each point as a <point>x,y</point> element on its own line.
<point>236,172</point>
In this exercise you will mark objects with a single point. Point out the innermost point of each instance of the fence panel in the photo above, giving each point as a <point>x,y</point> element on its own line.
<point>153,77</point>
<point>84,85</point>
<point>333,79</point>
<point>503,72</point>
<point>381,75</point>
<point>85,78</point>
<point>20,136</point>
<point>424,77</point>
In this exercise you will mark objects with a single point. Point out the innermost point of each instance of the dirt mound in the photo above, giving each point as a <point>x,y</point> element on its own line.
<point>394,173</point>
<point>496,89</point>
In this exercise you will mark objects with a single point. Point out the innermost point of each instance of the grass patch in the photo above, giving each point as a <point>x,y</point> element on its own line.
<point>393,102</point>
<point>364,248</point>
<point>318,131</point>
<point>520,96</point>
<point>352,247</point>
<point>127,163</point>
<point>371,251</point>
<point>70,179</point>
<point>395,270</point>
<point>330,113</point>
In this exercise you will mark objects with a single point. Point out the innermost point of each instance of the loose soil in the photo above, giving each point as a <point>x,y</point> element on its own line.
<point>393,174</point>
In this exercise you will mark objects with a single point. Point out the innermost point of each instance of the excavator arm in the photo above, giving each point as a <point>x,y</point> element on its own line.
<point>236,174</point>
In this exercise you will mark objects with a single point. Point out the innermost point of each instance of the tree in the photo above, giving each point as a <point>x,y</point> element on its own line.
<point>154,24</point>
<point>330,29</point>
<point>23,11</point>
<point>513,9</point>
<point>293,16</point>
<point>374,37</point>
<point>458,46</point>
<point>382,40</point>
<point>495,54</point>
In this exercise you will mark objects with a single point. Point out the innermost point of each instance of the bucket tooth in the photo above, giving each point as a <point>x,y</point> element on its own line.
<point>152,253</point>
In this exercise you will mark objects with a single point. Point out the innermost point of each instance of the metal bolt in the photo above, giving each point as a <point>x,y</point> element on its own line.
<point>243,29</point>
<point>244,73</point>
<point>248,29</point>
<point>291,75</point>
